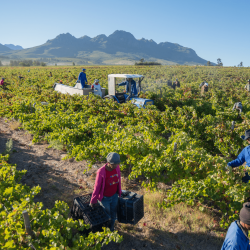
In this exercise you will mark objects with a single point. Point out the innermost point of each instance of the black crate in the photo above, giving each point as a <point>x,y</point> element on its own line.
<point>130,208</point>
<point>96,217</point>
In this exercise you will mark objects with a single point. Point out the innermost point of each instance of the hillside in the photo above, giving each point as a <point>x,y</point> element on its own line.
<point>110,49</point>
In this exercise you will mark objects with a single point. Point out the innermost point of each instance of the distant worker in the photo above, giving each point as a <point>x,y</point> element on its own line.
<point>238,106</point>
<point>2,82</point>
<point>177,83</point>
<point>133,86</point>
<point>82,78</point>
<point>237,234</point>
<point>50,74</point>
<point>20,77</point>
<point>244,156</point>
<point>204,88</point>
<point>97,88</point>
<point>247,87</point>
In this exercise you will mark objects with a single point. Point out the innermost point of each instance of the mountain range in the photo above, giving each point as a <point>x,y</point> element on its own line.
<point>14,47</point>
<point>121,46</point>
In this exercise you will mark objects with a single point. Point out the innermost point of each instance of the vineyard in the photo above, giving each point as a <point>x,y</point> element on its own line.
<point>89,128</point>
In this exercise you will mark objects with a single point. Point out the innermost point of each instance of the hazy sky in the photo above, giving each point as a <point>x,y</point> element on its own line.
<point>214,29</point>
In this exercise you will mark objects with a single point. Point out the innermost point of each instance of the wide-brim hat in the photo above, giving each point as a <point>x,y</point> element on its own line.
<point>246,136</point>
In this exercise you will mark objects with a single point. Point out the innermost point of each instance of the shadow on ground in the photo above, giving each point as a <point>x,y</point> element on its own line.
<point>162,240</point>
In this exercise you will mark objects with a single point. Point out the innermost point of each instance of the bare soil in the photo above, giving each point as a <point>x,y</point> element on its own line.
<point>64,179</point>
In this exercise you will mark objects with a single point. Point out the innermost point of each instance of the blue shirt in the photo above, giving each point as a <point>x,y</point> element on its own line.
<point>82,78</point>
<point>133,87</point>
<point>244,156</point>
<point>235,238</point>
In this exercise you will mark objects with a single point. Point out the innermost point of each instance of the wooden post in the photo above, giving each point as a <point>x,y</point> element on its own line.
<point>229,145</point>
<point>233,123</point>
<point>27,223</point>
<point>175,147</point>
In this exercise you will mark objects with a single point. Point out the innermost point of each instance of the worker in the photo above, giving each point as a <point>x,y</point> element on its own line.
<point>247,87</point>
<point>237,234</point>
<point>133,86</point>
<point>244,156</point>
<point>50,74</point>
<point>204,88</point>
<point>2,81</point>
<point>97,88</point>
<point>177,83</point>
<point>237,106</point>
<point>82,78</point>
<point>108,187</point>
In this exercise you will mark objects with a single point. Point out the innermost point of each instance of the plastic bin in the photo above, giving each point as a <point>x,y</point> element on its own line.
<point>130,208</point>
<point>96,217</point>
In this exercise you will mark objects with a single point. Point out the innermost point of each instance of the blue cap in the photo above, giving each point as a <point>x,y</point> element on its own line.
<point>83,69</point>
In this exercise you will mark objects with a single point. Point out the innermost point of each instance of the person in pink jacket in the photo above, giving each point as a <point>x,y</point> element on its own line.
<point>108,186</point>
<point>2,82</point>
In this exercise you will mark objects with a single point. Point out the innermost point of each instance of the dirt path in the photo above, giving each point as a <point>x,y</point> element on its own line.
<point>64,179</point>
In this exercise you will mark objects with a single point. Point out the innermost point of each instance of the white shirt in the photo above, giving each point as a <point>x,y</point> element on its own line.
<point>97,89</point>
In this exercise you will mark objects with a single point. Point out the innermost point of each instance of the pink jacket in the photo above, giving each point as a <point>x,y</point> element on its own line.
<point>100,184</point>
<point>1,82</point>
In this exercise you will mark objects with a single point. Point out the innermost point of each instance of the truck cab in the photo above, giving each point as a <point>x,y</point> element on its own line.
<point>116,93</point>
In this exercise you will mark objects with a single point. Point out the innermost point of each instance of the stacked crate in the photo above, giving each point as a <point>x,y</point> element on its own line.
<point>130,208</point>
<point>96,217</point>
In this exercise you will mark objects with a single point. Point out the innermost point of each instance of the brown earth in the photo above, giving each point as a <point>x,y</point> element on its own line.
<point>64,179</point>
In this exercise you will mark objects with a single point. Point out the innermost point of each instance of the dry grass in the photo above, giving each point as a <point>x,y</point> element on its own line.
<point>15,125</point>
<point>180,219</point>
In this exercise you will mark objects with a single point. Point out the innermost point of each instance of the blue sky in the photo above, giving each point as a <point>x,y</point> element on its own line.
<point>214,29</point>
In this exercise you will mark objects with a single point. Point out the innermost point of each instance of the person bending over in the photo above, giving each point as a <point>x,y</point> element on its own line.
<point>244,156</point>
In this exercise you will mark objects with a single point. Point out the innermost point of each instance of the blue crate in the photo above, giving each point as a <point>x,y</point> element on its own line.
<point>96,217</point>
<point>130,208</point>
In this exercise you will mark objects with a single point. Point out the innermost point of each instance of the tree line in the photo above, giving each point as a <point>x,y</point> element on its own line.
<point>26,63</point>
<point>219,63</point>
<point>143,62</point>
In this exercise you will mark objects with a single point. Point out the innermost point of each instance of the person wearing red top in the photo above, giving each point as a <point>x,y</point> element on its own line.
<point>108,187</point>
<point>2,82</point>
